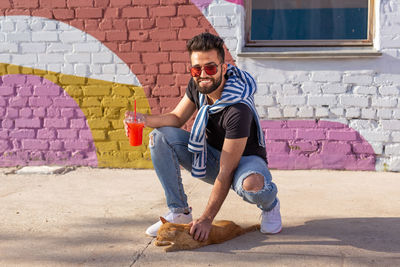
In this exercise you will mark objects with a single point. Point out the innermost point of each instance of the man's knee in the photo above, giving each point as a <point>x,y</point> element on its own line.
<point>253,183</point>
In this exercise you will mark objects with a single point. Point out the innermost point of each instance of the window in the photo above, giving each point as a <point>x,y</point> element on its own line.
<point>309,22</point>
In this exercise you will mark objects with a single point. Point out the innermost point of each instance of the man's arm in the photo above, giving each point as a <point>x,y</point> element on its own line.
<point>232,151</point>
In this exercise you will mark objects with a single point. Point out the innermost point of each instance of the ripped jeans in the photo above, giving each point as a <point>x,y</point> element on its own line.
<point>169,150</point>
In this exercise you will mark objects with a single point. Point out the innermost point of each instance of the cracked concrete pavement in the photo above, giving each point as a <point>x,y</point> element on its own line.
<point>97,217</point>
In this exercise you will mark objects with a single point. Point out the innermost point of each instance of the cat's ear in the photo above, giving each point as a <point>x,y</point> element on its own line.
<point>163,220</point>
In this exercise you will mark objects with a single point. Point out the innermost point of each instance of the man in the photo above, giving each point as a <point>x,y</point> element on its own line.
<point>226,146</point>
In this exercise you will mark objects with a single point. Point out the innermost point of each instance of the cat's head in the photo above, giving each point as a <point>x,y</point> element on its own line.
<point>167,231</point>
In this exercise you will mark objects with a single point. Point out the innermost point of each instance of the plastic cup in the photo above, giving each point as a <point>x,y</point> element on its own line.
<point>135,133</point>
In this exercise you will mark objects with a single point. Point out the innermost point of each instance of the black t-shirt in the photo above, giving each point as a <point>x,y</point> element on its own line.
<point>234,121</point>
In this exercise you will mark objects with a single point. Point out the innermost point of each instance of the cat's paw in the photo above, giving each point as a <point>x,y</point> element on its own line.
<point>162,243</point>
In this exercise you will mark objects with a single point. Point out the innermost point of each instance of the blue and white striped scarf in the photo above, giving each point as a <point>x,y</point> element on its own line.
<point>239,88</point>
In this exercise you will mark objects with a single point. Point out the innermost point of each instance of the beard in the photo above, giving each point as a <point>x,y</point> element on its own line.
<point>211,88</point>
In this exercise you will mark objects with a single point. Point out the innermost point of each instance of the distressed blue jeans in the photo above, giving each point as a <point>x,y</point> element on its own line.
<point>169,150</point>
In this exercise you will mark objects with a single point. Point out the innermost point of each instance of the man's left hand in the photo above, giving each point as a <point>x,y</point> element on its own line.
<point>200,229</point>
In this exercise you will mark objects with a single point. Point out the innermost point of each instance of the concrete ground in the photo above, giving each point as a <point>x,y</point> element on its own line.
<point>97,217</point>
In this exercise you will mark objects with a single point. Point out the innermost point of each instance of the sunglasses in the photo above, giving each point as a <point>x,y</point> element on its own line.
<point>210,69</point>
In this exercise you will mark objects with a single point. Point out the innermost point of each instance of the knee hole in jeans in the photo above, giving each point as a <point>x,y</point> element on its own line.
<point>253,183</point>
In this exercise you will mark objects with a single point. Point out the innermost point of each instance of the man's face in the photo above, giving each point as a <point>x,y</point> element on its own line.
<point>206,83</point>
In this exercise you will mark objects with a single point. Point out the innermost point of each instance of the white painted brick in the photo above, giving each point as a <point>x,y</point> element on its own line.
<point>334,88</point>
<point>21,26</point>
<point>54,67</point>
<point>387,79</point>
<point>321,112</point>
<point>7,26</point>
<point>122,69</point>
<point>289,112</point>
<point>390,124</point>
<point>226,32</point>
<point>50,25</point>
<point>44,36</point>
<point>365,90</point>
<point>309,87</point>
<point>220,21</point>
<point>354,101</point>
<point>221,10</point>
<point>2,37</point>
<point>262,89</point>
<point>19,37</point>
<point>8,48</point>
<point>389,90</point>
<point>322,100</point>
<point>106,77</point>
<point>368,113</point>
<point>306,112</point>
<point>358,79</point>
<point>292,100</point>
<point>72,37</point>
<point>326,76</point>
<point>275,88</point>
<point>396,113</point>
<point>36,25</point>
<point>271,76</point>
<point>231,44</point>
<point>393,149</point>
<point>353,112</point>
<point>396,136</point>
<point>108,68</point>
<point>337,111</point>
<point>96,69</point>
<point>33,47</point>
<point>24,59</point>
<point>383,102</point>
<point>377,147</point>
<point>290,89</point>
<point>81,69</point>
<point>77,58</point>
<point>102,58</point>
<point>339,120</point>
<point>394,164</point>
<point>274,113</point>
<point>86,47</point>
<point>384,114</point>
<point>50,58</point>
<point>5,57</point>
<point>58,47</point>
<point>375,136</point>
<point>363,124</point>
<point>128,79</point>
<point>67,68</point>
<point>299,77</point>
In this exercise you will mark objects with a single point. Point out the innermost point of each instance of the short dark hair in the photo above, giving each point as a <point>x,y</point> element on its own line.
<point>205,42</point>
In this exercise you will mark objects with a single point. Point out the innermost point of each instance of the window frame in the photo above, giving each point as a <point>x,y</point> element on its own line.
<point>309,43</point>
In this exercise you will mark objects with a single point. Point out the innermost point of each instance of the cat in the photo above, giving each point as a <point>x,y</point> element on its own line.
<point>177,236</point>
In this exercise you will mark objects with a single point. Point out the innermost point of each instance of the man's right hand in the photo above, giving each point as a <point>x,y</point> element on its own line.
<point>130,117</point>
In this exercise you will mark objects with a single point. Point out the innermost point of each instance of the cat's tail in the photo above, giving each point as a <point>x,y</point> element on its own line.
<point>251,228</point>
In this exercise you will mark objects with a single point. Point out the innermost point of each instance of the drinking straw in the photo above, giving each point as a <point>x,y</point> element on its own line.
<point>135,111</point>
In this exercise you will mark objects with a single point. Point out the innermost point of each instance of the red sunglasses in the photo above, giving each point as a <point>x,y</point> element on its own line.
<point>210,69</point>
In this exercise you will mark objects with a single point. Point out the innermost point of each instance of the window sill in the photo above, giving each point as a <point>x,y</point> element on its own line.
<point>309,52</point>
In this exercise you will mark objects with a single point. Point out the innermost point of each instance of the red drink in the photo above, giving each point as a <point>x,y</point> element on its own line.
<point>135,133</point>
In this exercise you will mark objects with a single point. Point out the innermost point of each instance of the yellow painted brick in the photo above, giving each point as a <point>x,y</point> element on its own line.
<point>135,155</point>
<point>112,113</point>
<point>96,90</point>
<point>118,123</point>
<point>28,71</point>
<point>106,146</point>
<point>114,102</point>
<point>91,102</point>
<point>3,68</point>
<point>147,155</point>
<point>99,135</point>
<point>95,112</point>
<point>69,79</point>
<point>110,159</point>
<point>125,146</point>
<point>121,90</point>
<point>13,69</point>
<point>95,123</point>
<point>117,135</point>
<point>74,90</point>
<point>51,77</point>
<point>38,71</point>
<point>142,164</point>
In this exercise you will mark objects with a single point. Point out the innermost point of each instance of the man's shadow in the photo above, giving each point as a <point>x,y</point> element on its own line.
<point>373,234</point>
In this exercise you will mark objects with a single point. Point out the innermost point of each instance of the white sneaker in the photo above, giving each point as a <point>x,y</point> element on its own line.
<point>171,217</point>
<point>271,221</point>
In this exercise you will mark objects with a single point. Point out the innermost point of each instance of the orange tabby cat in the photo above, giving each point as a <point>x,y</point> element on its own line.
<point>177,236</point>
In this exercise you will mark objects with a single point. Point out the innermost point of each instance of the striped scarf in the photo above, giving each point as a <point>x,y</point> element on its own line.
<point>239,88</point>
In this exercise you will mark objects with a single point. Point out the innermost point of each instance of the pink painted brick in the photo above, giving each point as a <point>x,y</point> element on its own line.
<point>46,134</point>
<point>332,148</point>
<point>4,145</point>
<point>270,124</point>
<point>280,134</point>
<point>366,163</point>
<point>85,135</point>
<point>12,113</point>
<point>13,79</point>
<point>56,145</point>
<point>33,79</point>
<point>311,134</point>
<point>55,123</point>
<point>3,134</point>
<point>299,147</point>
<point>67,134</point>
<point>25,112</point>
<point>80,145</point>
<point>24,90</point>
<point>64,102</point>
<point>23,134</point>
<point>6,90</point>
<point>330,124</point>
<point>2,112</point>
<point>28,123</point>
<point>46,90</point>
<point>39,112</point>
<point>277,147</point>
<point>301,124</point>
<point>334,161</point>
<point>342,135</point>
<point>67,112</point>
<point>53,112</point>
<point>3,102</point>
<point>362,148</point>
<point>18,101</point>
<point>41,101</point>
<point>278,161</point>
<point>77,123</point>
<point>7,123</point>
<point>79,113</point>
<point>316,161</point>
<point>30,144</point>
<point>301,162</point>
